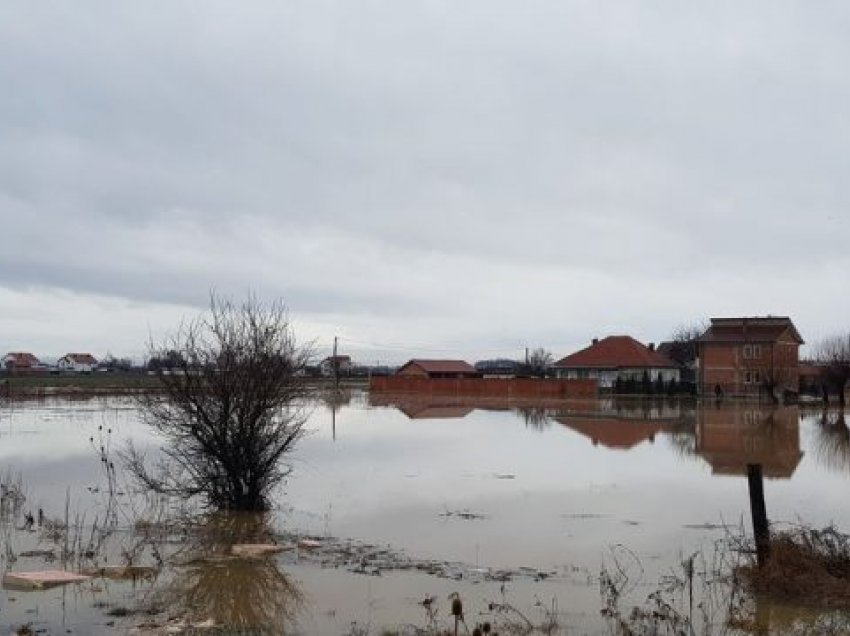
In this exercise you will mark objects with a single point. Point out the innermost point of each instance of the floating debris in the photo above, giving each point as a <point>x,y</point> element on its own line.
<point>706,526</point>
<point>463,514</point>
<point>256,550</point>
<point>41,580</point>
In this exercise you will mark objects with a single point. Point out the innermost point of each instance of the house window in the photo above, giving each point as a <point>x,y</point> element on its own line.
<point>748,377</point>
<point>748,351</point>
<point>757,351</point>
<point>757,377</point>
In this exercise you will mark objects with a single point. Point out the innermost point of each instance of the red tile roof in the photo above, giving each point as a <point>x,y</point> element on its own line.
<point>21,359</point>
<point>81,358</point>
<point>612,432</point>
<point>750,329</point>
<point>442,366</point>
<point>435,412</point>
<point>616,352</point>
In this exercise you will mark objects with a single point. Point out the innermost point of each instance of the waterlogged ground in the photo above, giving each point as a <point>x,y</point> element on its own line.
<point>394,504</point>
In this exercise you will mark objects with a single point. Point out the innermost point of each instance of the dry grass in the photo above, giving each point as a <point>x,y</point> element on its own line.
<point>806,566</point>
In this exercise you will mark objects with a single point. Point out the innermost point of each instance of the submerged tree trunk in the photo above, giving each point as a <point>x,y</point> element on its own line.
<point>761,528</point>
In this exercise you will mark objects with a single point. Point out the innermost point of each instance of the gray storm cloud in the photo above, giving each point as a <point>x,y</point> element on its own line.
<point>479,176</point>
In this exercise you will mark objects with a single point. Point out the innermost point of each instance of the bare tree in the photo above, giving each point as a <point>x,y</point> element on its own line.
<point>539,360</point>
<point>685,342</point>
<point>230,406</point>
<point>833,354</point>
<point>777,371</point>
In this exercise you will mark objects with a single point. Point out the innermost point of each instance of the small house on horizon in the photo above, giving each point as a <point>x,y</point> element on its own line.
<point>617,358</point>
<point>335,364</point>
<point>77,362</point>
<point>20,361</point>
<point>438,369</point>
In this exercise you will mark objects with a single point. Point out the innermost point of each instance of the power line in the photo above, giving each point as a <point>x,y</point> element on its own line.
<point>395,346</point>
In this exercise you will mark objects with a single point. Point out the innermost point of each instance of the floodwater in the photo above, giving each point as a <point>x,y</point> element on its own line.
<point>516,509</point>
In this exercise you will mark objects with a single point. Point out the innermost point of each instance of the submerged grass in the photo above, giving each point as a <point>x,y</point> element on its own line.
<point>806,566</point>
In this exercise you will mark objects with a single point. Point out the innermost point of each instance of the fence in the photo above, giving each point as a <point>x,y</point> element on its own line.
<point>520,388</point>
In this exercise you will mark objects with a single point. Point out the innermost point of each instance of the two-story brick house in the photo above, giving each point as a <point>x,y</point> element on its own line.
<point>749,356</point>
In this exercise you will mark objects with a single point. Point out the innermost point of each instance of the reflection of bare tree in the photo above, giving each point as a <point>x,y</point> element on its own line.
<point>250,594</point>
<point>683,437</point>
<point>335,398</point>
<point>832,441</point>
<point>535,417</point>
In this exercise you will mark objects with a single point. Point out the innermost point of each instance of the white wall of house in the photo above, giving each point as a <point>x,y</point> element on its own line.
<point>326,367</point>
<point>67,364</point>
<point>606,378</point>
<point>666,374</point>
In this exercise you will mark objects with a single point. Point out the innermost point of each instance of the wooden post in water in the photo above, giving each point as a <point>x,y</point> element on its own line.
<point>761,529</point>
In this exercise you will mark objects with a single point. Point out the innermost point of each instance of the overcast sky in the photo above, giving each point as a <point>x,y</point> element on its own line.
<point>422,178</point>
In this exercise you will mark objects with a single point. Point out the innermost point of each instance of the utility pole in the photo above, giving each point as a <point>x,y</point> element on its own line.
<point>336,365</point>
<point>336,390</point>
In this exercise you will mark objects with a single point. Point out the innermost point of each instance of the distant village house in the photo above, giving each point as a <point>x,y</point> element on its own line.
<point>335,364</point>
<point>438,369</point>
<point>77,362</point>
<point>20,361</point>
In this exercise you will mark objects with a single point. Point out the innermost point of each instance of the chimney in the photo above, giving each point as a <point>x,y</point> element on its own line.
<point>651,346</point>
<point>595,341</point>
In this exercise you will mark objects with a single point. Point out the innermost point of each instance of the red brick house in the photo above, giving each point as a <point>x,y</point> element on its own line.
<point>20,361</point>
<point>438,369</point>
<point>617,357</point>
<point>749,356</point>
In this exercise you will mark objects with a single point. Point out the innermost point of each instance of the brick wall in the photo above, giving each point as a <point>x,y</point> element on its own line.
<point>486,387</point>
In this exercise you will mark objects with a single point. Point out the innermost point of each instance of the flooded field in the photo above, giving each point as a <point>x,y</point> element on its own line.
<point>396,504</point>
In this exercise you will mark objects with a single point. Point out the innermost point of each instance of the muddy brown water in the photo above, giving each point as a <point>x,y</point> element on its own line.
<point>516,508</point>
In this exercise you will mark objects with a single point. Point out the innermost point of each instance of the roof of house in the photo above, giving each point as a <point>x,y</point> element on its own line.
<point>81,358</point>
<point>615,352</point>
<point>750,329</point>
<point>425,412</point>
<point>21,358</point>
<point>613,432</point>
<point>442,366</point>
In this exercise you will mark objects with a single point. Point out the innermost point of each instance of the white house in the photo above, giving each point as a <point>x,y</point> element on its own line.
<point>341,363</point>
<point>78,362</point>
<point>617,357</point>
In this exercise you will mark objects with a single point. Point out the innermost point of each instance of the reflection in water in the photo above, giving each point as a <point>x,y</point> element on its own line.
<point>251,594</point>
<point>832,441</point>
<point>614,432</point>
<point>536,417</point>
<point>335,398</point>
<point>729,439</point>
